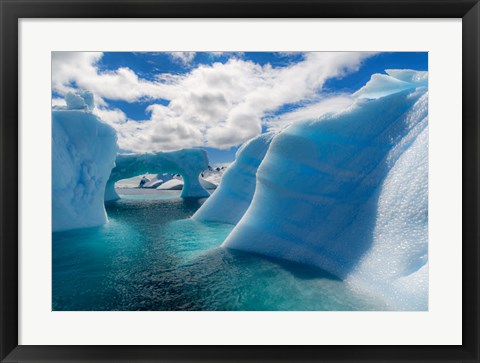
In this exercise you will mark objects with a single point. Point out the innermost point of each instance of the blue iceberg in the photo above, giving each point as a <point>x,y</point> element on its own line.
<point>234,194</point>
<point>348,193</point>
<point>83,154</point>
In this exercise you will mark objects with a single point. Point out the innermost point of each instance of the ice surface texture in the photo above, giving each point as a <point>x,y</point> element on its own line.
<point>83,154</point>
<point>189,163</point>
<point>233,196</point>
<point>348,193</point>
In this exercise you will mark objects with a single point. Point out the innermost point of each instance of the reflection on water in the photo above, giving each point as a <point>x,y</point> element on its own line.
<point>151,256</point>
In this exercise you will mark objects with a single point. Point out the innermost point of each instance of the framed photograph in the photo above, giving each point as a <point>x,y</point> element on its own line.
<point>239,181</point>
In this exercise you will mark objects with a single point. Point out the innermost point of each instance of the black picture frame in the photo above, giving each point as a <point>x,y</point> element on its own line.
<point>13,10</point>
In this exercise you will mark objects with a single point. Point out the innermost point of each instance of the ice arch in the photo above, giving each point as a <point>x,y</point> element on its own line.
<point>189,163</point>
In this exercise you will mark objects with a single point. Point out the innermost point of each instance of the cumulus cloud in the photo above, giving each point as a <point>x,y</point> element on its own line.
<point>227,54</point>
<point>71,70</point>
<point>219,105</point>
<point>111,116</point>
<point>59,102</point>
<point>184,58</point>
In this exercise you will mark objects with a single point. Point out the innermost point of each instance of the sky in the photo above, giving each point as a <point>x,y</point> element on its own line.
<point>164,101</point>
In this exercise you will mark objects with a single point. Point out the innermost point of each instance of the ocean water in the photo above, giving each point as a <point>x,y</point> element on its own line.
<point>151,256</point>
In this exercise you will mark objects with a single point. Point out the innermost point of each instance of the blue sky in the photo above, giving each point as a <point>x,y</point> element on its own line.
<point>166,101</point>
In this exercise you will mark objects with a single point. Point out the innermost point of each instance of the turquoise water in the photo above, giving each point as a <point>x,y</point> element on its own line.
<point>151,256</point>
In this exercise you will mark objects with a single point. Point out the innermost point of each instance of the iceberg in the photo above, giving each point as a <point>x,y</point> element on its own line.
<point>156,181</point>
<point>85,165</point>
<point>83,154</point>
<point>233,196</point>
<point>347,193</point>
<point>173,184</point>
<point>154,184</point>
<point>132,182</point>
<point>177,184</point>
<point>189,163</point>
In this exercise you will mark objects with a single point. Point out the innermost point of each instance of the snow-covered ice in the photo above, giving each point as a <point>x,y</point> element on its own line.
<point>232,198</point>
<point>396,80</point>
<point>189,163</point>
<point>173,184</point>
<point>156,181</point>
<point>177,184</point>
<point>133,182</point>
<point>83,154</point>
<point>347,192</point>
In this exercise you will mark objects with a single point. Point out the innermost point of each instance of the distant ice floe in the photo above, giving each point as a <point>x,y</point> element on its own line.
<point>154,182</point>
<point>174,184</point>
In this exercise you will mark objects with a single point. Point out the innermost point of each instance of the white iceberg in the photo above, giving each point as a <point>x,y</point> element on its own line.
<point>83,154</point>
<point>177,184</point>
<point>347,193</point>
<point>132,182</point>
<point>156,181</point>
<point>173,184</point>
<point>153,184</point>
